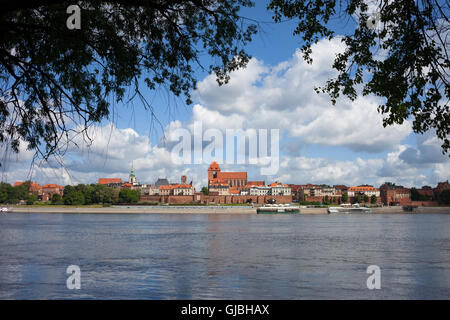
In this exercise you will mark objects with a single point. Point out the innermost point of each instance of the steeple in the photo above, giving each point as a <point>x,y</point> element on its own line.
<point>132,179</point>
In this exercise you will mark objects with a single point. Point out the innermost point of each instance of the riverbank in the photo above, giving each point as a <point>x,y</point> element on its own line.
<point>139,210</point>
<point>200,210</point>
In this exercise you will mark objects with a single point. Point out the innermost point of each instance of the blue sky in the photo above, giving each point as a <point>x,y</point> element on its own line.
<point>321,143</point>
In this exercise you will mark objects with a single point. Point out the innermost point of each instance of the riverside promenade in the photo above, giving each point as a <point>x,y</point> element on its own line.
<point>139,209</point>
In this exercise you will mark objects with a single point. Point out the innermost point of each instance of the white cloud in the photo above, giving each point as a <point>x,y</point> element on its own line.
<point>283,97</point>
<point>428,151</point>
<point>111,154</point>
<point>441,172</point>
<point>113,158</point>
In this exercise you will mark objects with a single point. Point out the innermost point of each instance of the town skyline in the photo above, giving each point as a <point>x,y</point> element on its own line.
<point>123,178</point>
<point>230,187</point>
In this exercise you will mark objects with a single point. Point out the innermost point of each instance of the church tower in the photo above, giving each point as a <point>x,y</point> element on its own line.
<point>132,179</point>
<point>213,171</point>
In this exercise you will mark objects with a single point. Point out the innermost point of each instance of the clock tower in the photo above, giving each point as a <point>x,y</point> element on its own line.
<point>213,171</point>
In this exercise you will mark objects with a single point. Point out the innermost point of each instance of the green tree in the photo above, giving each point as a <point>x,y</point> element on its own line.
<point>10,194</point>
<point>77,198</point>
<point>97,193</point>
<point>373,199</point>
<point>5,191</point>
<point>358,198</point>
<point>56,199</point>
<point>68,190</point>
<point>73,195</point>
<point>31,199</point>
<point>344,197</point>
<point>128,196</point>
<point>205,191</point>
<point>415,195</point>
<point>21,191</point>
<point>444,196</point>
<point>88,193</point>
<point>51,74</point>
<point>411,76</point>
<point>366,198</point>
<point>106,195</point>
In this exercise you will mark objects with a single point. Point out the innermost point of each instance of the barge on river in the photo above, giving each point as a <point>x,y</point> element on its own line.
<point>277,209</point>
<point>349,209</point>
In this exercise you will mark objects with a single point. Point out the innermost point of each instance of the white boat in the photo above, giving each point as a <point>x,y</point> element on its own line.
<point>355,208</point>
<point>280,208</point>
<point>4,210</point>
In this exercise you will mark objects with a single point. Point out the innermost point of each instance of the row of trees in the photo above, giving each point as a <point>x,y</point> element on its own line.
<point>73,195</point>
<point>95,194</point>
<point>12,195</point>
<point>443,197</point>
<point>416,196</point>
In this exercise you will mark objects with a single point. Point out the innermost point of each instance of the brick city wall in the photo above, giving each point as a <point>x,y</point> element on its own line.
<point>213,199</point>
<point>425,203</point>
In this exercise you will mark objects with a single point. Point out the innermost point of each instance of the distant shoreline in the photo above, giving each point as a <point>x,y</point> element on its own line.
<point>203,210</point>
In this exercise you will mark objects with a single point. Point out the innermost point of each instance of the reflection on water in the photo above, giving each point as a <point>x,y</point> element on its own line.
<point>224,256</point>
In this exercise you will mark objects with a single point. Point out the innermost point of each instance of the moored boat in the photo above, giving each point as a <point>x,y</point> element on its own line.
<point>349,209</point>
<point>4,210</point>
<point>410,208</point>
<point>277,209</point>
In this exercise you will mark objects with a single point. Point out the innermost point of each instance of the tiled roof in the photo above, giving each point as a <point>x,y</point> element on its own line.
<point>214,166</point>
<point>276,184</point>
<point>232,175</point>
<point>32,184</point>
<point>441,186</point>
<point>109,180</point>
<point>52,185</point>
<point>256,183</point>
<point>363,188</point>
<point>181,186</point>
<point>248,186</point>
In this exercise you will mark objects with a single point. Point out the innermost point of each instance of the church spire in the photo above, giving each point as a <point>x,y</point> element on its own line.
<point>132,179</point>
<point>132,170</point>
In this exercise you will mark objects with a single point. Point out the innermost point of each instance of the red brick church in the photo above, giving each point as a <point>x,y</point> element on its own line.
<point>232,179</point>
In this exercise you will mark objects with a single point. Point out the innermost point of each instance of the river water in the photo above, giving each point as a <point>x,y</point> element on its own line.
<point>185,256</point>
